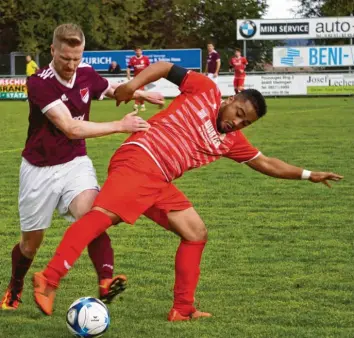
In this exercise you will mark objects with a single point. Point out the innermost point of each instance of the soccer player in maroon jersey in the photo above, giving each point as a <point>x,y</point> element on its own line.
<point>138,62</point>
<point>213,63</point>
<point>238,63</point>
<point>55,171</point>
<point>196,129</point>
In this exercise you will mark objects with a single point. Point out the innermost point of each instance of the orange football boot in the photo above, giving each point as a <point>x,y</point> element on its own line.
<point>11,299</point>
<point>175,316</point>
<point>43,293</point>
<point>112,287</point>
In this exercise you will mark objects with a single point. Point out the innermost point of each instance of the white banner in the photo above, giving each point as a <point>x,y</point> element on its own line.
<point>321,56</point>
<point>294,84</point>
<point>272,84</point>
<point>311,28</point>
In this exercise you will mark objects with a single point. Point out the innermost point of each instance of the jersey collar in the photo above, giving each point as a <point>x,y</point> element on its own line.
<point>68,84</point>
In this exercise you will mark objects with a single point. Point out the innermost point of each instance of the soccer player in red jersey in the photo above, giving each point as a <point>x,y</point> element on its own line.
<point>55,171</point>
<point>138,62</point>
<point>238,63</point>
<point>197,128</point>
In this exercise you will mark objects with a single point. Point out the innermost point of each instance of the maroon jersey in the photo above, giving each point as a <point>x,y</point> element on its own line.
<point>239,65</point>
<point>138,64</point>
<point>213,57</point>
<point>46,145</point>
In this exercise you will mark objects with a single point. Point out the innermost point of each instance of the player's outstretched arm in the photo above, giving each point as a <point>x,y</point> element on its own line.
<point>150,74</point>
<point>60,116</point>
<point>277,168</point>
<point>152,97</point>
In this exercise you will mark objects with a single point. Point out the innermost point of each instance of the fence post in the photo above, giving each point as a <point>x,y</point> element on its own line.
<point>351,44</point>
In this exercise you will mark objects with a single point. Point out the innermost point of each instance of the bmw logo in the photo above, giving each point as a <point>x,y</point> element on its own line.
<point>248,29</point>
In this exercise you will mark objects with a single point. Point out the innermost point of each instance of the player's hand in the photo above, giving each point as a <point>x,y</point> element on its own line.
<point>132,123</point>
<point>215,75</point>
<point>324,177</point>
<point>123,93</point>
<point>152,97</point>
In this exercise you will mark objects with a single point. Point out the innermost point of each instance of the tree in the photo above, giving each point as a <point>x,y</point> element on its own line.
<point>107,24</point>
<point>120,24</point>
<point>318,8</point>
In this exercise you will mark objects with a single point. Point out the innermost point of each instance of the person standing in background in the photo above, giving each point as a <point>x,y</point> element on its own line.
<point>114,68</point>
<point>31,66</point>
<point>238,64</point>
<point>138,62</point>
<point>213,63</point>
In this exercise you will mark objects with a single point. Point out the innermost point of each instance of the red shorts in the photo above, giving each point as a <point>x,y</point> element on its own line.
<point>239,82</point>
<point>136,186</point>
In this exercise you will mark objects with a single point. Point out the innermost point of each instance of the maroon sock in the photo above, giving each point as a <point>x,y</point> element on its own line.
<point>20,266</point>
<point>101,254</point>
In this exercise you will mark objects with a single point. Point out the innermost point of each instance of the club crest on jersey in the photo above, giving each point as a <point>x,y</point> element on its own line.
<point>85,95</point>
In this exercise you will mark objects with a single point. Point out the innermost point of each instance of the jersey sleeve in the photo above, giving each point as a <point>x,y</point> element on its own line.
<point>147,61</point>
<point>245,62</point>
<point>195,82</point>
<point>217,56</point>
<point>130,63</point>
<point>42,93</point>
<point>100,85</point>
<point>242,151</point>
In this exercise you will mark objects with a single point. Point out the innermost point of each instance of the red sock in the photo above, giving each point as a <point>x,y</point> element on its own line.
<point>20,266</point>
<point>137,101</point>
<point>75,239</point>
<point>188,257</point>
<point>101,254</point>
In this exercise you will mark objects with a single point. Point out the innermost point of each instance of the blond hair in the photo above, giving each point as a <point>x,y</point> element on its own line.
<point>69,33</point>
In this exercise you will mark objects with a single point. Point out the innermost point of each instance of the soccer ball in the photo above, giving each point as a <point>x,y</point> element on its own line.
<point>87,317</point>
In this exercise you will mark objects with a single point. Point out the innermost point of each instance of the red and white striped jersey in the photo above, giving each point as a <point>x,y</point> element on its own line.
<point>184,136</point>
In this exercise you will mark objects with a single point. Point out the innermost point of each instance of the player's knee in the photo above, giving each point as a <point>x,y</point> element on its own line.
<point>199,233</point>
<point>202,234</point>
<point>29,249</point>
<point>81,212</point>
<point>114,218</point>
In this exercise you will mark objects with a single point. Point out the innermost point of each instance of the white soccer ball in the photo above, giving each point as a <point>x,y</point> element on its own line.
<point>87,317</point>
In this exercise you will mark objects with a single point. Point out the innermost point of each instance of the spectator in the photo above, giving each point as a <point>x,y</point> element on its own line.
<point>31,66</point>
<point>114,68</point>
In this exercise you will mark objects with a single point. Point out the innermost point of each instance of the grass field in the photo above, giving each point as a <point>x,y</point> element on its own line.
<point>280,258</point>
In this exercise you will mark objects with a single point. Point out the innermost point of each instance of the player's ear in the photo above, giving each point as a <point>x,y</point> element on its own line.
<point>52,49</point>
<point>230,99</point>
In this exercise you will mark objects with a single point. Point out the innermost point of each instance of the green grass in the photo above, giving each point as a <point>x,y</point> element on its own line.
<point>279,261</point>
